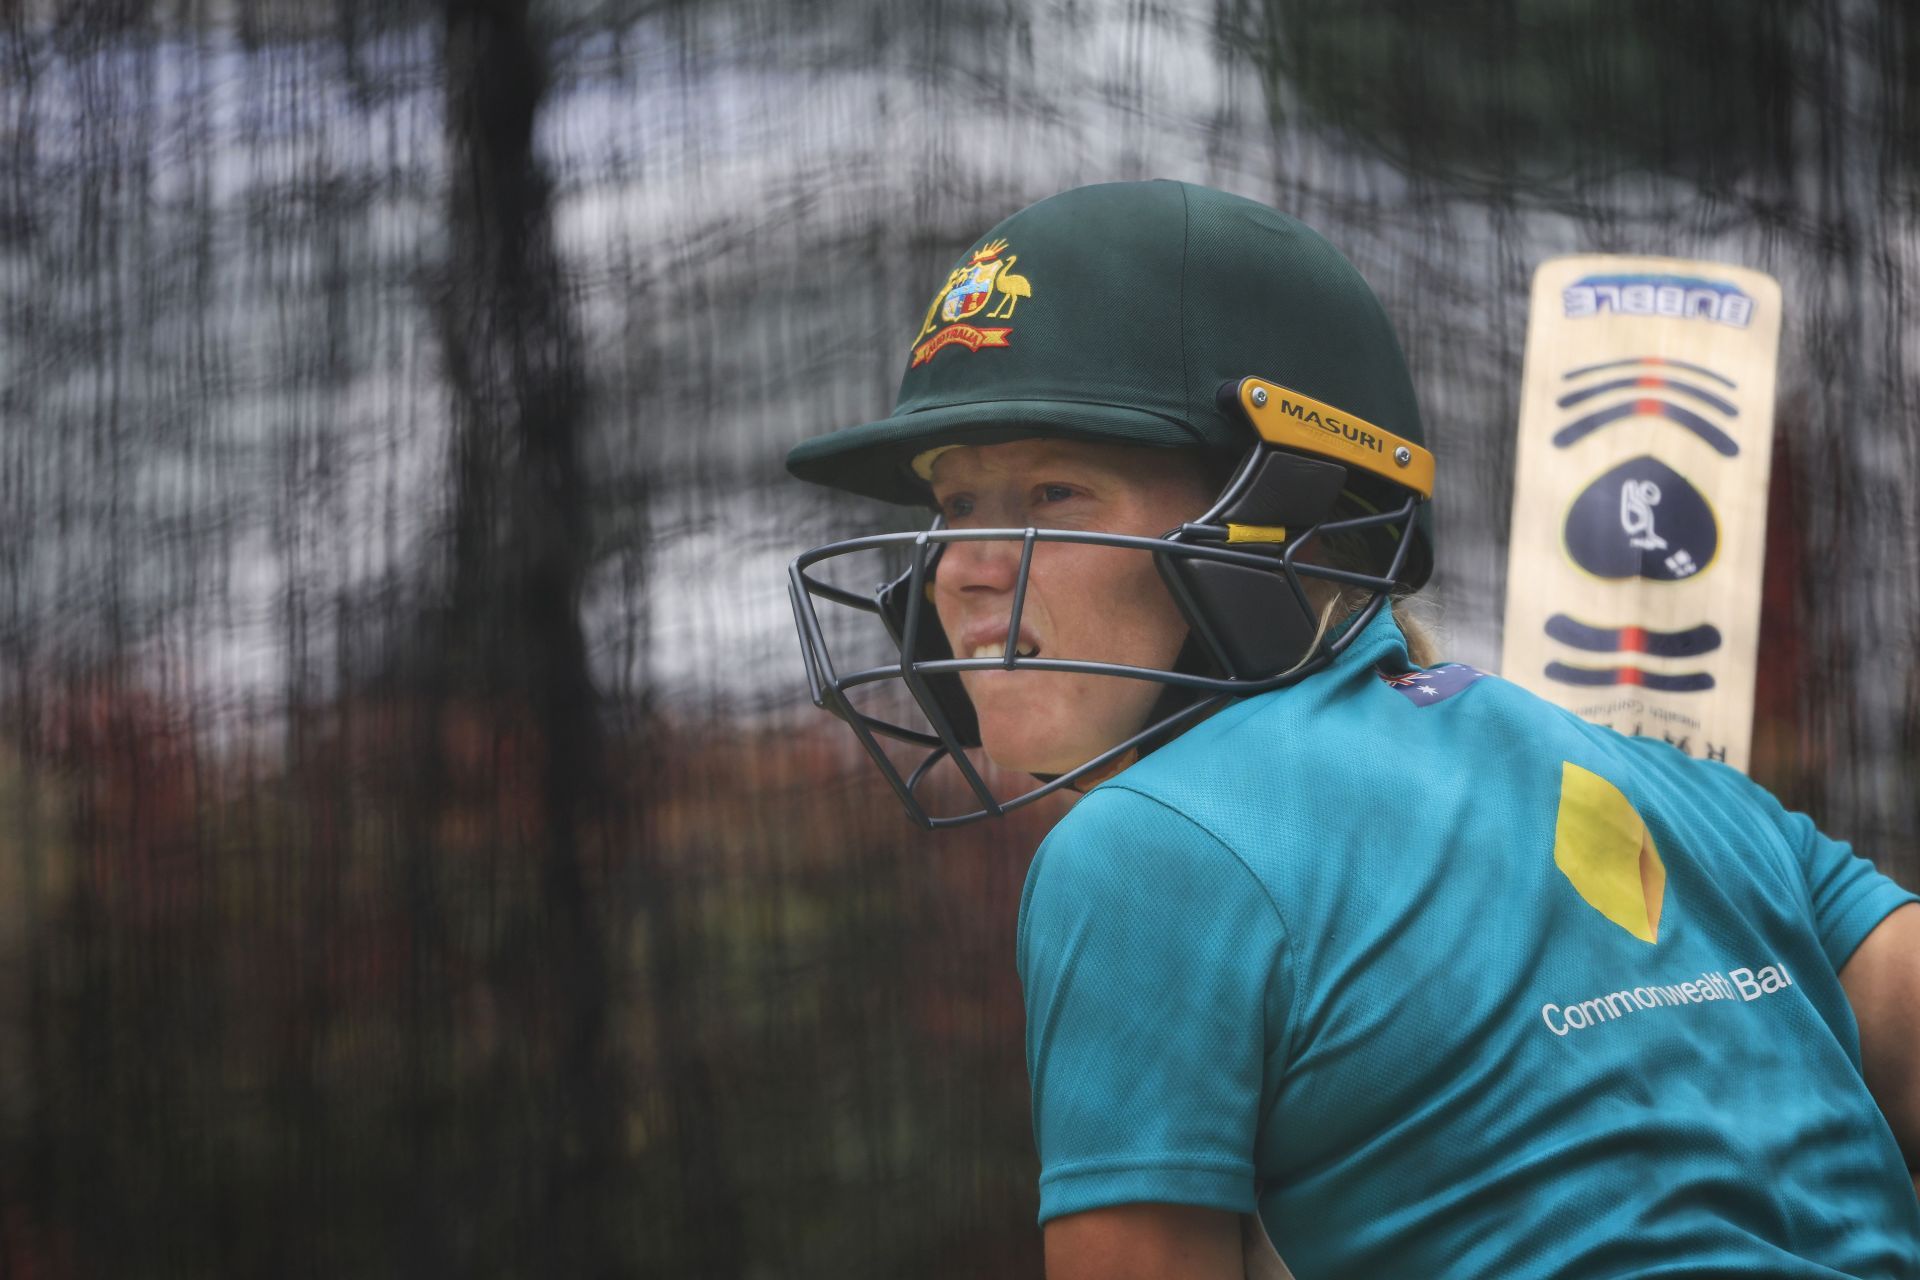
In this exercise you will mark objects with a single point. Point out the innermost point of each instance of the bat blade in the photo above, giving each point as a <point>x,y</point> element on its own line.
<point>1640,489</point>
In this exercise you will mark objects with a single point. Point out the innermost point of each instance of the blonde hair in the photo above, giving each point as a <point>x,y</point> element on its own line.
<point>1336,603</point>
<point>1415,620</point>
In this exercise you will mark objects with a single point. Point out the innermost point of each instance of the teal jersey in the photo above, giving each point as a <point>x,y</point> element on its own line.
<point>1443,980</point>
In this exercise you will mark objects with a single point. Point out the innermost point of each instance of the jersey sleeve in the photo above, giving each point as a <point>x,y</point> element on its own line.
<point>1156,975</point>
<point>1849,894</point>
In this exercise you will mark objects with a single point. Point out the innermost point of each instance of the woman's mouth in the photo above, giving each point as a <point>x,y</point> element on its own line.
<point>998,649</point>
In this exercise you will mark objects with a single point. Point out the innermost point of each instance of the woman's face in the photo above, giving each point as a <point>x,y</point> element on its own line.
<point>1100,604</point>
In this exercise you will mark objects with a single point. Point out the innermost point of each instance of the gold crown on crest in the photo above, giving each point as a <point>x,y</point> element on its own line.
<point>989,251</point>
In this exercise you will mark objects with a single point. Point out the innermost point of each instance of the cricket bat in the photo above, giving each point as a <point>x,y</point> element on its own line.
<point>1640,496</point>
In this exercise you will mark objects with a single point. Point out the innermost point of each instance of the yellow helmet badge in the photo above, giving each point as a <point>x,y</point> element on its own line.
<point>969,288</point>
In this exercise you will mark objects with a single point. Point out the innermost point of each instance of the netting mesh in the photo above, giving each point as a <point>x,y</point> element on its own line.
<point>416,857</point>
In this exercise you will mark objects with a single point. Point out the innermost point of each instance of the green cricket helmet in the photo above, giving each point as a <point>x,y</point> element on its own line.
<point>1158,314</point>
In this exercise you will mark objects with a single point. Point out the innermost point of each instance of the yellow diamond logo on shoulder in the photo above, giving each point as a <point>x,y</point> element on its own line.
<point>1601,845</point>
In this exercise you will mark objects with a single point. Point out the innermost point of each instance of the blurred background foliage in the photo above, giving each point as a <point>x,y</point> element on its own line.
<point>416,856</point>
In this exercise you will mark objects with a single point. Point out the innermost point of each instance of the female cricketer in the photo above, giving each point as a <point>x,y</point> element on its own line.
<point>1387,962</point>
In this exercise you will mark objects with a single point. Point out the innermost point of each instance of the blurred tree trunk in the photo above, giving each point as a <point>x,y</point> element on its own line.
<point>511,635</point>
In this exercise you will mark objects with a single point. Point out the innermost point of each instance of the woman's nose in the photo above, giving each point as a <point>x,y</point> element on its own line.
<point>987,564</point>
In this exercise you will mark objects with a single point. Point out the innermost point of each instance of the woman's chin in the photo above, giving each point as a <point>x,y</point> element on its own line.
<point>1022,762</point>
<point>1049,724</point>
<point>1025,750</point>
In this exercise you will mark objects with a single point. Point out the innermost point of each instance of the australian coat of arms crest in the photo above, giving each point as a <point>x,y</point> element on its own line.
<point>966,293</point>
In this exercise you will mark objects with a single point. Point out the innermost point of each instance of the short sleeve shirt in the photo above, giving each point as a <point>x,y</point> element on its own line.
<point>1442,980</point>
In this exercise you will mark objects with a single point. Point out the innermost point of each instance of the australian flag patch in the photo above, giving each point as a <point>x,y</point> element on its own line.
<point>1435,684</point>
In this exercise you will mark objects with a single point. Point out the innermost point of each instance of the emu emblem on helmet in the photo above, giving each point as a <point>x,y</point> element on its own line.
<point>966,293</point>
